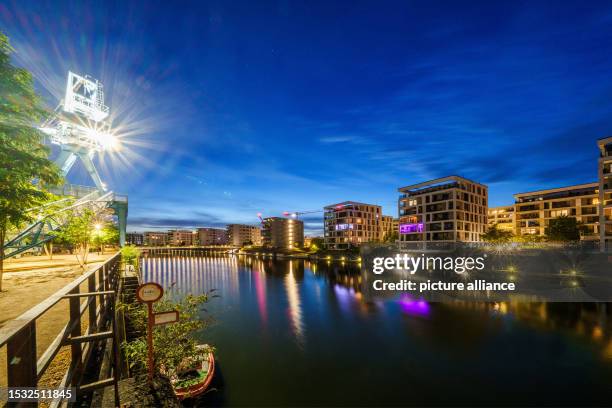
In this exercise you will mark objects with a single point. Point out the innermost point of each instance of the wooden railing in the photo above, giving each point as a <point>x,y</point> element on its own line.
<point>25,369</point>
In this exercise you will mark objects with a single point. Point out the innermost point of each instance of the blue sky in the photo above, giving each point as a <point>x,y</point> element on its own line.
<point>230,108</point>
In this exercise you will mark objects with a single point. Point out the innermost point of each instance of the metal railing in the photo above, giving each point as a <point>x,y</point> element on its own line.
<point>25,369</point>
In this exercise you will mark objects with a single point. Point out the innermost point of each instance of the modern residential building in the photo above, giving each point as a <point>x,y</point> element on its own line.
<point>447,209</point>
<point>503,217</point>
<point>388,226</point>
<point>535,209</point>
<point>212,236</point>
<point>134,238</point>
<point>351,223</point>
<point>241,234</point>
<point>605,193</point>
<point>280,232</point>
<point>181,237</point>
<point>154,238</point>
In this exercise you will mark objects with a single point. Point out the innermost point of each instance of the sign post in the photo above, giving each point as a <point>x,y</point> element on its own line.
<point>165,317</point>
<point>149,293</point>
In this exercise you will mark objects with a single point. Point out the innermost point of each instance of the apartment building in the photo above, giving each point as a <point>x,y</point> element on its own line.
<point>212,236</point>
<point>388,226</point>
<point>152,238</point>
<point>241,234</point>
<point>502,216</point>
<point>182,237</point>
<point>351,223</point>
<point>447,209</point>
<point>535,209</point>
<point>285,233</point>
<point>605,193</point>
<point>134,238</point>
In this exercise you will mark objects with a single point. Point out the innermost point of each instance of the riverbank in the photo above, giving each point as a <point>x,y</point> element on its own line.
<point>320,255</point>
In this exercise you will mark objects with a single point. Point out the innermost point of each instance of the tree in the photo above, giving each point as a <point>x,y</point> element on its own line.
<point>24,164</point>
<point>78,232</point>
<point>105,233</point>
<point>563,229</point>
<point>392,237</point>
<point>496,236</point>
<point>130,254</point>
<point>318,242</point>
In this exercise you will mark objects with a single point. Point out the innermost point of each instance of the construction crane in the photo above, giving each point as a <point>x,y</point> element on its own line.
<point>296,214</point>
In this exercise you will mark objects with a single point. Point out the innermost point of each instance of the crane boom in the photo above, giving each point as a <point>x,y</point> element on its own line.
<point>296,214</point>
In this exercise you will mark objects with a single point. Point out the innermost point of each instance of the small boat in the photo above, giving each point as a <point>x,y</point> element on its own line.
<point>193,381</point>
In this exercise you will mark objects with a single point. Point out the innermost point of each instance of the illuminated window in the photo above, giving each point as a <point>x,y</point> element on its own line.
<point>559,213</point>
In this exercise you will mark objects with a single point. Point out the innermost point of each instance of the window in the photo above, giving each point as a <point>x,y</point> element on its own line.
<point>559,213</point>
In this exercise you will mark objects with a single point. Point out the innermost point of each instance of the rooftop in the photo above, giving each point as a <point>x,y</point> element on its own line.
<point>438,182</point>
<point>347,204</point>
<point>558,189</point>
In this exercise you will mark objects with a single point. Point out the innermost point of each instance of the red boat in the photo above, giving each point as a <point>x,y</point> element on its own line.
<point>196,380</point>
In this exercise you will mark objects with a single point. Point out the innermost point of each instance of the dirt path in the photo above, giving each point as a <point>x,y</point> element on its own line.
<point>29,281</point>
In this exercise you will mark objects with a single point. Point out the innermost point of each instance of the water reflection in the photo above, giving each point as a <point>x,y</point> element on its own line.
<point>280,321</point>
<point>193,274</point>
<point>199,274</point>
<point>259,276</point>
<point>414,307</point>
<point>295,305</point>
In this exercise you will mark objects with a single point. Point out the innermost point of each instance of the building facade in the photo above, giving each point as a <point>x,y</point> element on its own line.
<point>448,209</point>
<point>182,237</point>
<point>605,193</point>
<point>502,216</point>
<point>212,236</point>
<point>535,209</point>
<point>284,233</point>
<point>134,238</point>
<point>153,238</point>
<point>241,234</point>
<point>388,226</point>
<point>350,224</point>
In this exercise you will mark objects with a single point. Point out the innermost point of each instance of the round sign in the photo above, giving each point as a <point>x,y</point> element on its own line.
<point>149,292</point>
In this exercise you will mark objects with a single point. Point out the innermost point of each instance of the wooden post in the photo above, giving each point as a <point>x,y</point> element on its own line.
<point>150,340</point>
<point>21,357</point>
<point>149,293</point>
<point>91,287</point>
<point>75,320</point>
<point>100,287</point>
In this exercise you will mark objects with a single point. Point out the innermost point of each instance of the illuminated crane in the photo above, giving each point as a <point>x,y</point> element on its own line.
<point>296,214</point>
<point>80,127</point>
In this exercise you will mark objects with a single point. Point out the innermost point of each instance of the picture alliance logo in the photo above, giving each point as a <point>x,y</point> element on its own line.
<point>412,264</point>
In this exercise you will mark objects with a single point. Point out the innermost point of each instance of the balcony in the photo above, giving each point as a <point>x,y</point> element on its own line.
<point>441,217</point>
<point>528,216</point>
<point>523,208</point>
<point>436,207</point>
<point>411,211</point>
<point>561,204</point>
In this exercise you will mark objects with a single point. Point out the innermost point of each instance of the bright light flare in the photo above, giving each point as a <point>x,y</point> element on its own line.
<point>108,141</point>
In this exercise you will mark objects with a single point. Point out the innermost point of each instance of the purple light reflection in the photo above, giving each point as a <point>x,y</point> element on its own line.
<point>414,307</point>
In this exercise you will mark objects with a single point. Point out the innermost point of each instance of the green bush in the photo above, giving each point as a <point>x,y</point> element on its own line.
<point>173,343</point>
<point>130,254</point>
